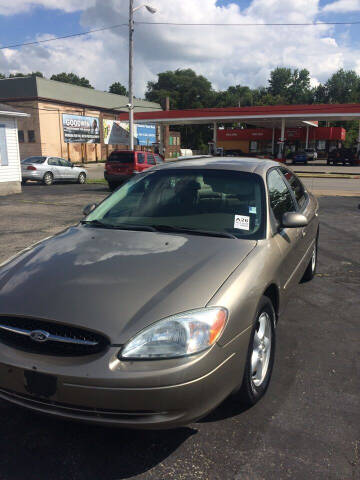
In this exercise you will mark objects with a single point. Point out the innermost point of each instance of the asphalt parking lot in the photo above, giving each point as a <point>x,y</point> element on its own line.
<point>306,427</point>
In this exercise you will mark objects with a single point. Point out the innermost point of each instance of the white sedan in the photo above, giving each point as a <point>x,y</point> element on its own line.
<point>51,169</point>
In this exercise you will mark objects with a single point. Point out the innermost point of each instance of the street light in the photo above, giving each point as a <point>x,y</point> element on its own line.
<point>132,10</point>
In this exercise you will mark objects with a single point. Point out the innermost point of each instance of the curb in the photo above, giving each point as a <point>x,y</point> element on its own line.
<point>327,175</point>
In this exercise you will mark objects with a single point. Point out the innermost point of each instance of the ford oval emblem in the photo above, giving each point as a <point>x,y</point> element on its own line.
<point>39,336</point>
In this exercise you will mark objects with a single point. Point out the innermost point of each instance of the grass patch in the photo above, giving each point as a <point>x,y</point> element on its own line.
<point>99,181</point>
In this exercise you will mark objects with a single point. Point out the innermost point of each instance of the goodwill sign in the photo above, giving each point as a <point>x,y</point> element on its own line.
<point>81,129</point>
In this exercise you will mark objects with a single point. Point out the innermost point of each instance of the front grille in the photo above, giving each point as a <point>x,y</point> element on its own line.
<point>53,338</point>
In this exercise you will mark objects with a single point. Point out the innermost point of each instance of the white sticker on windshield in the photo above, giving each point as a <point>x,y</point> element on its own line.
<point>252,210</point>
<point>242,222</point>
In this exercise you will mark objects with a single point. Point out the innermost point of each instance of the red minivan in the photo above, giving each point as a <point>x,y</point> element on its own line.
<point>122,164</point>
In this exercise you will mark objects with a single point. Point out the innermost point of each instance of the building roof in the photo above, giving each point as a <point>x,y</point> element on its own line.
<point>8,111</point>
<point>264,116</point>
<point>28,88</point>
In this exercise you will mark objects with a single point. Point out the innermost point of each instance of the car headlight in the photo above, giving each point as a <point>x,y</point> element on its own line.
<point>178,336</point>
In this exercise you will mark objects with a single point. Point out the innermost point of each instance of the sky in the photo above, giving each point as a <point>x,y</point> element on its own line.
<point>225,55</point>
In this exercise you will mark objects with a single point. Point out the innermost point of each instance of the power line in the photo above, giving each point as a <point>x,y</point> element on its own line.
<point>88,32</point>
<point>176,24</point>
<point>310,24</point>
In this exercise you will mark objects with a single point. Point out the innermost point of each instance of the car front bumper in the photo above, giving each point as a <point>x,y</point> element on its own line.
<point>156,394</point>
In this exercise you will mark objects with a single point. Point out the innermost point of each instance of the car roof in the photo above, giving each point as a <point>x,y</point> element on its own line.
<point>240,164</point>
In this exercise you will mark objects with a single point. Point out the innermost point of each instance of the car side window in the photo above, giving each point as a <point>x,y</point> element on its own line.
<point>296,186</point>
<point>151,159</point>
<point>141,158</point>
<point>281,200</point>
<point>64,163</point>
<point>53,162</point>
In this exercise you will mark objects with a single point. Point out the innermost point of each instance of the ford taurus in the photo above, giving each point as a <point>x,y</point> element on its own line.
<point>164,300</point>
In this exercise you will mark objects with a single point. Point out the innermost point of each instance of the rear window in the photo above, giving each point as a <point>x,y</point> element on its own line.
<point>34,160</point>
<point>121,157</point>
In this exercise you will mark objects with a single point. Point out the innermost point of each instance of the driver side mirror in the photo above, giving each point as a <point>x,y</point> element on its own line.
<point>89,208</point>
<point>294,220</point>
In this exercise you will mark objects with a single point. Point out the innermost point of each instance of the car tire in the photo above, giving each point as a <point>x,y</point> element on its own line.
<point>311,268</point>
<point>82,178</point>
<point>48,179</point>
<point>112,186</point>
<point>23,182</point>
<point>260,356</point>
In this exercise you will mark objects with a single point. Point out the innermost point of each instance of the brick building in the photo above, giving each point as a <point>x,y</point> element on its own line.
<point>47,101</point>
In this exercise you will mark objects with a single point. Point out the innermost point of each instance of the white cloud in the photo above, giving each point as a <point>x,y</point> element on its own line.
<point>11,7</point>
<point>225,55</point>
<point>342,6</point>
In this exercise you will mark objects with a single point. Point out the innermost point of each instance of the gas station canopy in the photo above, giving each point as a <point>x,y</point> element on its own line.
<point>265,116</point>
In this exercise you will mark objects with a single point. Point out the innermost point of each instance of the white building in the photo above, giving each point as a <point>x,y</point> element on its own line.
<point>10,170</point>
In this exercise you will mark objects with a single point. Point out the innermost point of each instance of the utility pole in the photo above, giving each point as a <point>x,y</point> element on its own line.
<point>131,66</point>
<point>132,10</point>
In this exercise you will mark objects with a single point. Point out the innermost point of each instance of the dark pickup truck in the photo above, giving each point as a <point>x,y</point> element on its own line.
<point>342,155</point>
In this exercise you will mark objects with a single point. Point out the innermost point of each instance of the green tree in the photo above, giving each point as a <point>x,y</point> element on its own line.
<point>343,87</point>
<point>21,75</point>
<point>118,89</point>
<point>300,89</point>
<point>186,90</point>
<point>2,76</point>
<point>72,78</point>
<point>290,86</point>
<point>235,96</point>
<point>320,94</point>
<point>280,81</point>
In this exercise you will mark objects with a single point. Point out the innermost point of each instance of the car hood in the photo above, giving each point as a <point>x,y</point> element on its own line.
<point>117,282</point>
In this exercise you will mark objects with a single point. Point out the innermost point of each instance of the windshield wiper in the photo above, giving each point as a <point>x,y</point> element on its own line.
<point>124,226</point>
<point>193,231</point>
<point>95,223</point>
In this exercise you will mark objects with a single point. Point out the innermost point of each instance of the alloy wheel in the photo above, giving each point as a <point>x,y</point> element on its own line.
<point>313,259</point>
<point>48,179</point>
<point>261,349</point>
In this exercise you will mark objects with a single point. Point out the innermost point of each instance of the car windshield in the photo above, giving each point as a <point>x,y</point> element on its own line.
<point>34,160</point>
<point>121,157</point>
<point>219,202</point>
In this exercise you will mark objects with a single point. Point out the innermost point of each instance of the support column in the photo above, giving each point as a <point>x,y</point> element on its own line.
<point>280,155</point>
<point>273,142</point>
<point>215,138</point>
<point>307,137</point>
<point>161,142</point>
<point>358,145</point>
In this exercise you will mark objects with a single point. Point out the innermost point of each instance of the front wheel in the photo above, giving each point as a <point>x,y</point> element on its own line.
<point>311,268</point>
<point>261,355</point>
<point>48,178</point>
<point>82,178</point>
